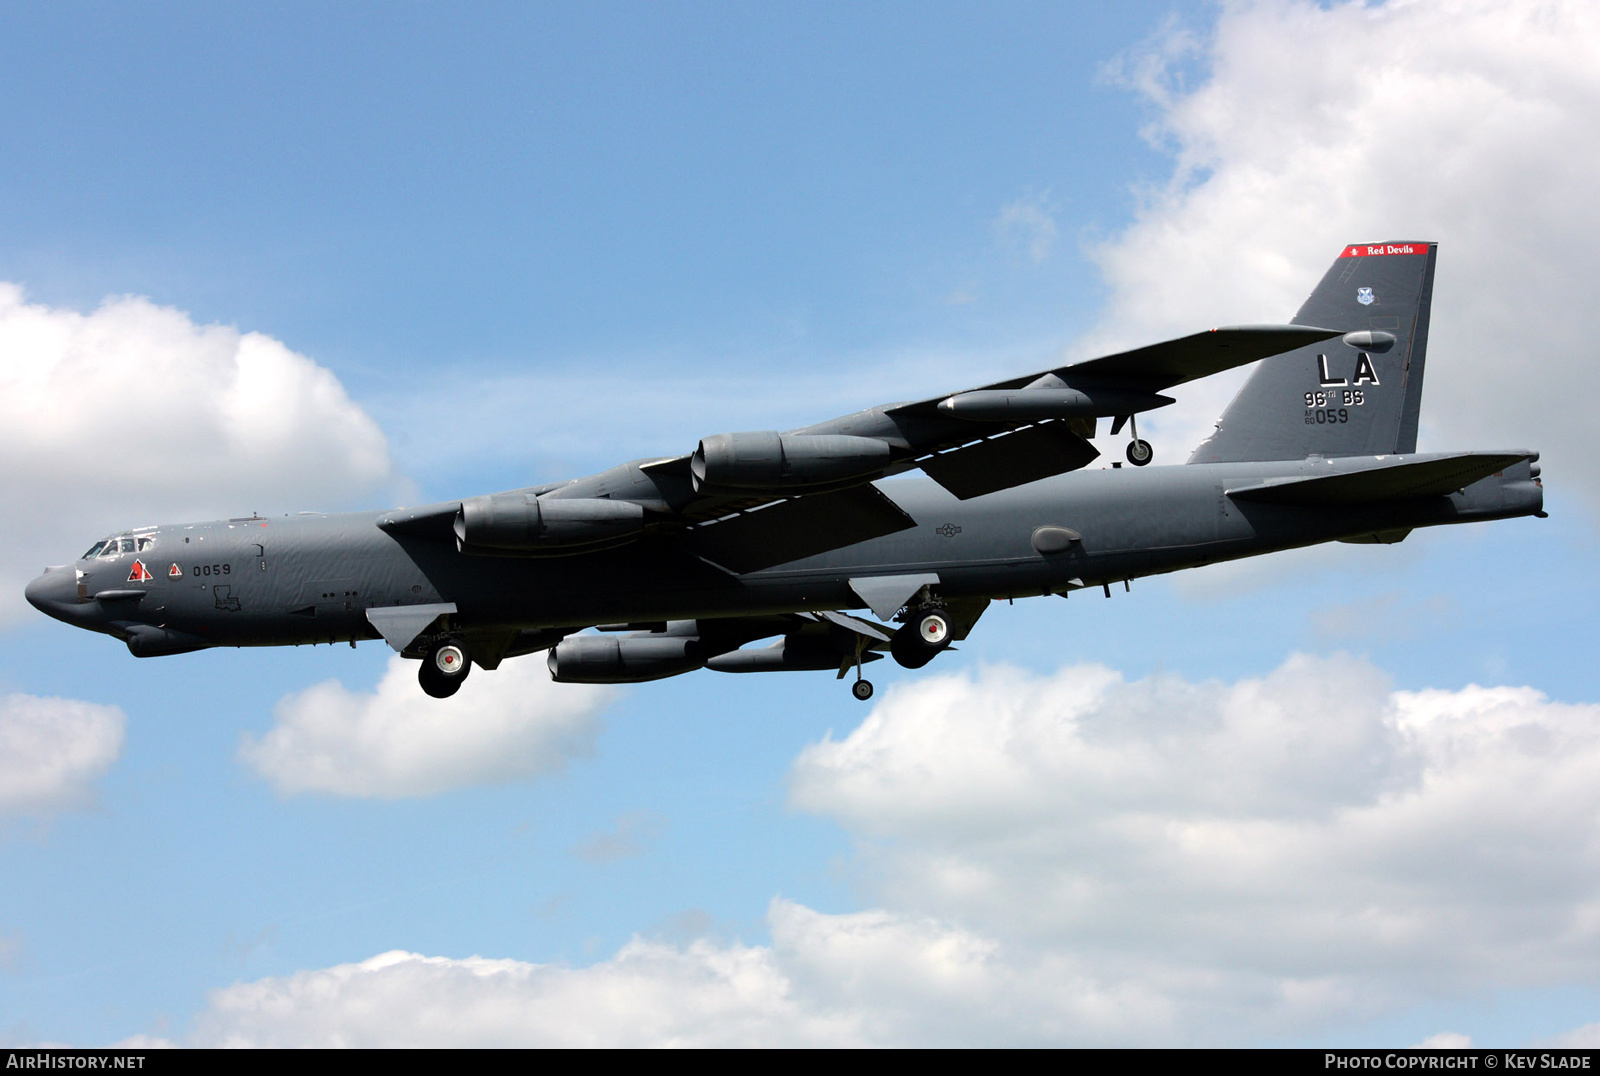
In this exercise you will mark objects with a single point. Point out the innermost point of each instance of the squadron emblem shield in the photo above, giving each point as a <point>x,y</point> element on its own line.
<point>1365,297</point>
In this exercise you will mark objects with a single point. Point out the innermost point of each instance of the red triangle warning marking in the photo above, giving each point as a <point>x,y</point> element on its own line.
<point>140,573</point>
<point>174,572</point>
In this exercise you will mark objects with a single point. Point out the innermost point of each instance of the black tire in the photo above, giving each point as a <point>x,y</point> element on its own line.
<point>921,639</point>
<point>445,669</point>
<point>1140,453</point>
<point>862,689</point>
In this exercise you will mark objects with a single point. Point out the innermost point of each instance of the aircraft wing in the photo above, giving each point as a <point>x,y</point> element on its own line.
<point>1002,434</point>
<point>751,500</point>
<point>1172,362</point>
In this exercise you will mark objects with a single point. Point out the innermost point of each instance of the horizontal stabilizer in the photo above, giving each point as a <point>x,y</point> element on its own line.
<point>1392,482</point>
<point>798,528</point>
<point>1009,460</point>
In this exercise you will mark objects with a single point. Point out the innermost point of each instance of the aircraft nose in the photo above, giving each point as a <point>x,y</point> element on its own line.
<point>54,592</point>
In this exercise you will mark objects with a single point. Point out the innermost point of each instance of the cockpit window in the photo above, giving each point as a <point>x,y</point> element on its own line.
<point>110,547</point>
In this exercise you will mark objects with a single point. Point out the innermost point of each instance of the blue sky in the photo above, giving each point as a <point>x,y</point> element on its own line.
<point>480,250</point>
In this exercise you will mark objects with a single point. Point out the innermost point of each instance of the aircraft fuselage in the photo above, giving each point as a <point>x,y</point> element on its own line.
<point>311,578</point>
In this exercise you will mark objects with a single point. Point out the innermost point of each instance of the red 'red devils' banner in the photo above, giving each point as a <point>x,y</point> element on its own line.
<point>1374,250</point>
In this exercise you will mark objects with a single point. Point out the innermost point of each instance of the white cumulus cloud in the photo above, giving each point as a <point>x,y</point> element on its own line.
<point>52,750</point>
<point>826,980</point>
<point>133,414</point>
<point>648,994</point>
<point>1083,859</point>
<point>1265,856</point>
<point>1475,123</point>
<point>505,725</point>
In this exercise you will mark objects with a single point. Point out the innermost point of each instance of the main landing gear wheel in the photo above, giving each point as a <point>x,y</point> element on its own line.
<point>444,669</point>
<point>862,689</point>
<point>920,640</point>
<point>1140,452</point>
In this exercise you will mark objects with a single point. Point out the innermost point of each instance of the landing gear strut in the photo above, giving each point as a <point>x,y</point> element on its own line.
<point>445,668</point>
<point>861,689</point>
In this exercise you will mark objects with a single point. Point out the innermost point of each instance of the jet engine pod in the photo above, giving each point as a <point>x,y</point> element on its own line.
<point>521,522</point>
<point>630,659</point>
<point>764,460</point>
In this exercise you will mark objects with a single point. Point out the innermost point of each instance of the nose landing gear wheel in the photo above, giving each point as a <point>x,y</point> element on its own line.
<point>444,669</point>
<point>862,689</point>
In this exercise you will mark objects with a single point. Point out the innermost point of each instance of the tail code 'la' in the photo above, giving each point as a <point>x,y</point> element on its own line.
<point>1359,396</point>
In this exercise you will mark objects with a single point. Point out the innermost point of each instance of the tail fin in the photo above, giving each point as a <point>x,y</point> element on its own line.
<point>1359,396</point>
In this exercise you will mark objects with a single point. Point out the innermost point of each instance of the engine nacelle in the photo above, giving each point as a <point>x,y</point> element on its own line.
<point>521,521</point>
<point>764,460</point>
<point>630,659</point>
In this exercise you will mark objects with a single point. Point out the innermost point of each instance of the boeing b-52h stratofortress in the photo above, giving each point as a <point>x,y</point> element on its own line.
<point>680,562</point>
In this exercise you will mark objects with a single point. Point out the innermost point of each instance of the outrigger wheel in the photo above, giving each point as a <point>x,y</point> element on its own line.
<point>444,669</point>
<point>862,689</point>
<point>1139,450</point>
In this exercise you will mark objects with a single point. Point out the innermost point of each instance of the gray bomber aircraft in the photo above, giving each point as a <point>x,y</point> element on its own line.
<point>681,561</point>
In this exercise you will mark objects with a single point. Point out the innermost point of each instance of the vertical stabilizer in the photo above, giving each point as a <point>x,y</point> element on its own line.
<point>1359,396</point>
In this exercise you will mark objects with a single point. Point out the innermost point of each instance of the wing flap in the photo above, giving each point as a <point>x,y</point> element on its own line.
<point>798,528</point>
<point>1396,482</point>
<point>1011,459</point>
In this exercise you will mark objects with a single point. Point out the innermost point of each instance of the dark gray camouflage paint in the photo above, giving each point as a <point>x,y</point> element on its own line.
<point>310,578</point>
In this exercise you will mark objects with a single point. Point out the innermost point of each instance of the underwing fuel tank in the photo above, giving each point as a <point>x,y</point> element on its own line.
<point>1019,405</point>
<point>785,655</point>
<point>631,659</point>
